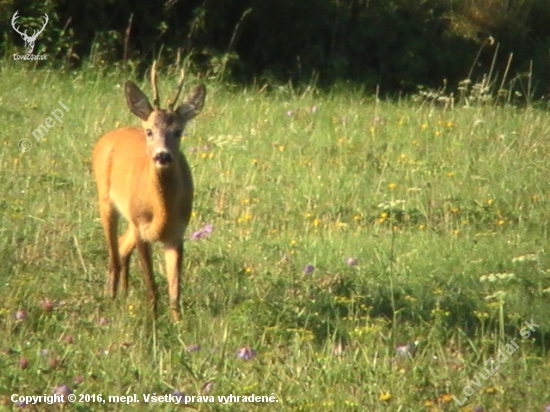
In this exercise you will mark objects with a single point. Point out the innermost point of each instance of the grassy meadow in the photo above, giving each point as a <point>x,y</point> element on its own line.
<point>366,255</point>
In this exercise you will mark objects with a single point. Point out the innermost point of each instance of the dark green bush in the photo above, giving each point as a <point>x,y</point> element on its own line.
<point>397,44</point>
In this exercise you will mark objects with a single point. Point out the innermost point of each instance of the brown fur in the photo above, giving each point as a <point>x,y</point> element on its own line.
<point>154,196</point>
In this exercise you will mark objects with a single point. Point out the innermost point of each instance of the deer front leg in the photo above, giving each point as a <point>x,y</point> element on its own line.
<point>126,245</point>
<point>144,253</point>
<point>109,220</point>
<point>173,255</point>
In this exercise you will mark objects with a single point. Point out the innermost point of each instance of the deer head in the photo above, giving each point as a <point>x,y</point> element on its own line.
<point>29,40</point>
<point>164,127</point>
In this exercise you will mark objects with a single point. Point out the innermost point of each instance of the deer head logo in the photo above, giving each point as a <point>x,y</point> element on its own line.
<point>29,40</point>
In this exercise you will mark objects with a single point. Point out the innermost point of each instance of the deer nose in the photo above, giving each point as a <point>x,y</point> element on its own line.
<point>162,158</point>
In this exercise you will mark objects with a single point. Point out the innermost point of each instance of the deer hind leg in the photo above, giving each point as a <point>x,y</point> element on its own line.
<point>109,219</point>
<point>144,254</point>
<point>126,245</point>
<point>173,255</point>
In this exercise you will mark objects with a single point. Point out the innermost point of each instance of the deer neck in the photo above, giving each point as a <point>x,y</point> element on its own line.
<point>163,189</point>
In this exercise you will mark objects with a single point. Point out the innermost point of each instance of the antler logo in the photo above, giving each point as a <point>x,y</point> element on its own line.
<point>29,40</point>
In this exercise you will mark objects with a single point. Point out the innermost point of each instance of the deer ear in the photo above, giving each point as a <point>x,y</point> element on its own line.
<point>137,101</point>
<point>193,103</point>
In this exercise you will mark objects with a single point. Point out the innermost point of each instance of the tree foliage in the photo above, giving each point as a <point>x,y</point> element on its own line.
<point>397,44</point>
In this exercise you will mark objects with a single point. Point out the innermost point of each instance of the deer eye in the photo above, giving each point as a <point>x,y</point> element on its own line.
<point>149,132</point>
<point>177,134</point>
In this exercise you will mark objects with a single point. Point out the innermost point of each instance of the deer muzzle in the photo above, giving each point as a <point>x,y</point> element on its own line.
<point>162,158</point>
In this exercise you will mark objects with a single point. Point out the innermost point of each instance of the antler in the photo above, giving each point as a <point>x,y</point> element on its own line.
<point>46,19</point>
<point>15,16</point>
<point>172,102</point>
<point>154,84</point>
<point>24,34</point>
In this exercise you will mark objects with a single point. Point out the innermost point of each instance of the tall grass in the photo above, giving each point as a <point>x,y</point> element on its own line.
<point>419,226</point>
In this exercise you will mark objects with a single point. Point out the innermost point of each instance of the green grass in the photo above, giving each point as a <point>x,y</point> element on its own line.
<point>430,202</point>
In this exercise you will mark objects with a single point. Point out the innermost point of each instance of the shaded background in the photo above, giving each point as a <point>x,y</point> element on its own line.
<point>396,44</point>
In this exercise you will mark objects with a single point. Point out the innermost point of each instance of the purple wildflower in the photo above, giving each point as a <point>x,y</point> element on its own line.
<point>202,233</point>
<point>20,315</point>
<point>103,321</point>
<point>47,305</point>
<point>407,350</point>
<point>62,390</point>
<point>23,363</point>
<point>193,347</point>
<point>547,408</point>
<point>246,353</point>
<point>338,349</point>
<point>207,387</point>
<point>309,269</point>
<point>68,339</point>
<point>54,363</point>
<point>351,261</point>
<point>179,395</point>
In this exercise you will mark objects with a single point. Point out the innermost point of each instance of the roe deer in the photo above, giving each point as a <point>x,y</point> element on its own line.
<point>142,175</point>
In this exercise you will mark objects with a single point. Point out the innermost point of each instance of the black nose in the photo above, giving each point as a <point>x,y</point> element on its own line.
<point>163,158</point>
